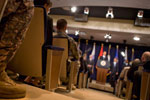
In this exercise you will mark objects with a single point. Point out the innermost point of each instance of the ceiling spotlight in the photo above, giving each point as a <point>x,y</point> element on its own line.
<point>73,9</point>
<point>109,13</point>
<point>86,10</point>
<point>123,53</point>
<point>77,32</point>
<point>136,38</point>
<point>140,14</point>
<point>108,36</point>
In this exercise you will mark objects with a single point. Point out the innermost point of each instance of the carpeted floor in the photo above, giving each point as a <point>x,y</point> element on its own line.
<point>89,94</point>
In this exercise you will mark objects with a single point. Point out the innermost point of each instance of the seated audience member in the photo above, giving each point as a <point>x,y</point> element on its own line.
<point>127,74</point>
<point>133,68</point>
<point>122,82</point>
<point>137,75</point>
<point>74,53</point>
<point>47,4</point>
<point>146,61</point>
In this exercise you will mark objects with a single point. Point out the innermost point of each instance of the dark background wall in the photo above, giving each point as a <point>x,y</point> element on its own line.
<point>138,51</point>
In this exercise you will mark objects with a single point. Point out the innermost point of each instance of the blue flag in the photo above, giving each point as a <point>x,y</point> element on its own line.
<point>116,54</point>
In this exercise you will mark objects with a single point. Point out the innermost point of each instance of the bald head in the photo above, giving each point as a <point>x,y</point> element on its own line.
<point>145,57</point>
<point>136,62</point>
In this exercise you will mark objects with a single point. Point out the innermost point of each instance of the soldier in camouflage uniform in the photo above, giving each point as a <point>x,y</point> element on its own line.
<point>14,24</point>
<point>74,53</point>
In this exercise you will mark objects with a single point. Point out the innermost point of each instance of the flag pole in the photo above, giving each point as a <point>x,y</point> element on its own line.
<point>126,53</point>
<point>87,42</point>
<point>132,54</point>
<point>109,49</point>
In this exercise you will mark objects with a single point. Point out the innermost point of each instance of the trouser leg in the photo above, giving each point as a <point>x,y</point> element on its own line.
<point>13,26</point>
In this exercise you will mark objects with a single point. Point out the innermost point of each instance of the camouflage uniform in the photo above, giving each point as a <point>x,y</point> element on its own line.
<point>13,26</point>
<point>74,53</point>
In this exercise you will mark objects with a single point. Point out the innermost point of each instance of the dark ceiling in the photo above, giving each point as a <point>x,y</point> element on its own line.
<point>100,12</point>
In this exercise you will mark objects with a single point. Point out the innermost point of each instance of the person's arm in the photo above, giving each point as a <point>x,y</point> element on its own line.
<point>74,49</point>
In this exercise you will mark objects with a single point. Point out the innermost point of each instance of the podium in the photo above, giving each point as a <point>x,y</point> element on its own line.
<point>101,75</point>
<point>102,69</point>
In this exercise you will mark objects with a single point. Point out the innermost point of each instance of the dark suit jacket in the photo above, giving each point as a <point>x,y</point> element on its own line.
<point>103,58</point>
<point>114,69</point>
<point>147,66</point>
<point>49,35</point>
<point>113,76</point>
<point>131,71</point>
<point>48,41</point>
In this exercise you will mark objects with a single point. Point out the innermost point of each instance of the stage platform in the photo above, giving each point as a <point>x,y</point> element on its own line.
<point>34,93</point>
<point>99,86</point>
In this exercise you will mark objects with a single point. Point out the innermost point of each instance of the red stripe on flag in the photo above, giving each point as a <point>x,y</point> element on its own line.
<point>101,52</point>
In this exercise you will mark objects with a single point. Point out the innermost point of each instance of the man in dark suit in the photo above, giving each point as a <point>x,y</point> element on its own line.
<point>114,73</point>
<point>104,57</point>
<point>102,68</point>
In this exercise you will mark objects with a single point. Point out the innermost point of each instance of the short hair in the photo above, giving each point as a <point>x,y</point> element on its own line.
<point>136,62</point>
<point>42,2</point>
<point>61,23</point>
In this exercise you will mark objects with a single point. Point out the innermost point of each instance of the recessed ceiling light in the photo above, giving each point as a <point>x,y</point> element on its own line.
<point>108,36</point>
<point>136,38</point>
<point>73,9</point>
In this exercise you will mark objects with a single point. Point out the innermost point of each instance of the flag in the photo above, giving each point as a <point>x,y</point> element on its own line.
<point>109,52</point>
<point>132,57</point>
<point>116,54</point>
<point>101,51</point>
<point>86,47</point>
<point>93,51</point>
<point>78,46</point>
<point>126,53</point>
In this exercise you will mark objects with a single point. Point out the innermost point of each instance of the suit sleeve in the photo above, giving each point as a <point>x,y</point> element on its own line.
<point>117,68</point>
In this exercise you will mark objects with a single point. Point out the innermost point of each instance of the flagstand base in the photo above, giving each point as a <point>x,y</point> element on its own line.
<point>104,87</point>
